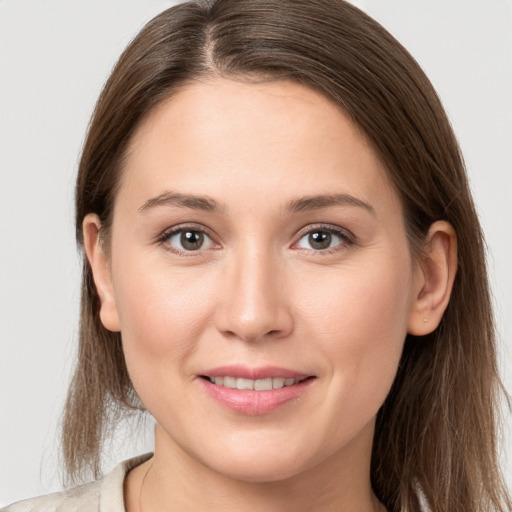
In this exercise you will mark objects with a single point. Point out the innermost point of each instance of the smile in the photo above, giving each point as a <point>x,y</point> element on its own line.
<point>254,384</point>
<point>254,391</point>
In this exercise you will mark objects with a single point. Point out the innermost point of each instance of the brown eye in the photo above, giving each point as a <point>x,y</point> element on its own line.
<point>320,240</point>
<point>191,240</point>
<point>187,240</point>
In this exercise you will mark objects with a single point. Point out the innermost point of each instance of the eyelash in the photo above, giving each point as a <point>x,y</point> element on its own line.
<point>169,233</point>
<point>345,236</point>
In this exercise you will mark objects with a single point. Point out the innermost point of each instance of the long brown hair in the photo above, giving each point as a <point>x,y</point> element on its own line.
<point>437,430</point>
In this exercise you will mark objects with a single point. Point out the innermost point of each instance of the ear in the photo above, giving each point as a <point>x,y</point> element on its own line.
<point>434,276</point>
<point>100,266</point>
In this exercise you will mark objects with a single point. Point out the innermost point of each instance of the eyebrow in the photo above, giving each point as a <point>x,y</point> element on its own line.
<point>193,202</point>
<point>309,203</point>
<point>208,204</point>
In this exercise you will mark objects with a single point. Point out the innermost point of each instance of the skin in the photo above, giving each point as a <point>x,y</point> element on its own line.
<point>258,293</point>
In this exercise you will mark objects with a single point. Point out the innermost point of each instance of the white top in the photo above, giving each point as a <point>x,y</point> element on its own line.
<point>104,495</point>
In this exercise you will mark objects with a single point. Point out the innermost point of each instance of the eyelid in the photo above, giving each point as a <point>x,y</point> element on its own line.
<point>169,232</point>
<point>319,226</point>
<point>347,236</point>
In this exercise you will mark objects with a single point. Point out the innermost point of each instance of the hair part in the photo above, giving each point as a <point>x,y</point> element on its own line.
<point>437,430</point>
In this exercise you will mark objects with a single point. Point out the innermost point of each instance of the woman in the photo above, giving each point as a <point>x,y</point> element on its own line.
<point>284,267</point>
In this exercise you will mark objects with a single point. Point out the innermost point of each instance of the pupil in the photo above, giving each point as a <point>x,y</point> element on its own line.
<point>320,240</point>
<point>192,240</point>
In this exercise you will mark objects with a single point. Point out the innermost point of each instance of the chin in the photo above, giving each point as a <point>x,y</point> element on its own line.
<point>259,472</point>
<point>265,463</point>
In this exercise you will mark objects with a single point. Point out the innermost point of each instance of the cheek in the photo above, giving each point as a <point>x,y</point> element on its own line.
<point>359,319</point>
<point>352,303</point>
<point>163,312</point>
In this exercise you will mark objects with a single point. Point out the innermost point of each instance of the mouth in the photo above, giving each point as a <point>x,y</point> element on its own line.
<point>266,384</point>
<point>254,391</point>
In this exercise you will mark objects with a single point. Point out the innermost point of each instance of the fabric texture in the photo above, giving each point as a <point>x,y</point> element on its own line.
<point>104,495</point>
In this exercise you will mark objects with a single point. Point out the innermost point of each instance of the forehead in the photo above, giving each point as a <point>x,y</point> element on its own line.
<point>227,136</point>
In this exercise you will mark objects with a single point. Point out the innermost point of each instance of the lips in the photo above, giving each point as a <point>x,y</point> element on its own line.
<point>254,391</point>
<point>254,384</point>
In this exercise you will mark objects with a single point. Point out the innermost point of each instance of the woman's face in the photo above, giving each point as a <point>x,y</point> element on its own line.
<point>258,243</point>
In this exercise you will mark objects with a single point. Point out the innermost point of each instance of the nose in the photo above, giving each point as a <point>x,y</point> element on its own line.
<point>253,301</point>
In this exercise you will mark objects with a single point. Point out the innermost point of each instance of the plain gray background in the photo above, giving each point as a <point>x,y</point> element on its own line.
<point>54,57</point>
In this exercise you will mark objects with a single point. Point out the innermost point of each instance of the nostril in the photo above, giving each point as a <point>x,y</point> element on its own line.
<point>252,320</point>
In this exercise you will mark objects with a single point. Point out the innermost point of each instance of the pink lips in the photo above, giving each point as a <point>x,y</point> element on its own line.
<point>252,402</point>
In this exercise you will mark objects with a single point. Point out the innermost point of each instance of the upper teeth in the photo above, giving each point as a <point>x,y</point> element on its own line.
<point>257,385</point>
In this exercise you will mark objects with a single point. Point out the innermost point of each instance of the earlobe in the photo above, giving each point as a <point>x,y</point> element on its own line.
<point>99,262</point>
<point>435,274</point>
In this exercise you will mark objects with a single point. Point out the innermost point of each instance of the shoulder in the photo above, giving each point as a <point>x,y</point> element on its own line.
<point>83,498</point>
<point>104,495</point>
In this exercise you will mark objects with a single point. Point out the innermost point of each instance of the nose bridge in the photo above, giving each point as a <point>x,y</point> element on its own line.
<point>253,304</point>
